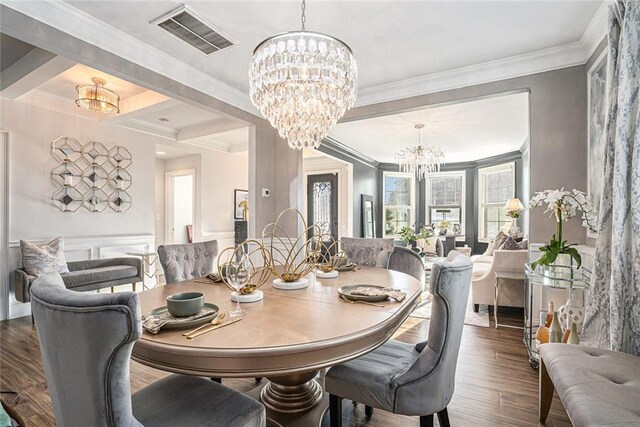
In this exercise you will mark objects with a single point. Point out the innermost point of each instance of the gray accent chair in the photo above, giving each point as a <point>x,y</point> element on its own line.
<point>88,275</point>
<point>367,252</point>
<point>398,378</point>
<point>187,261</point>
<point>86,342</point>
<point>407,261</point>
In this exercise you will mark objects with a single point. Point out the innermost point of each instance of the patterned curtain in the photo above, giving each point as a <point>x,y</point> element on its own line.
<point>613,310</point>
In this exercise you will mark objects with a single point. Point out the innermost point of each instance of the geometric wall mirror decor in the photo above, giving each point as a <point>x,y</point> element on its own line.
<point>92,176</point>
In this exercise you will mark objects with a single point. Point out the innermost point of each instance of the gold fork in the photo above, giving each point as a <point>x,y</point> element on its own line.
<point>214,321</point>
<point>361,302</point>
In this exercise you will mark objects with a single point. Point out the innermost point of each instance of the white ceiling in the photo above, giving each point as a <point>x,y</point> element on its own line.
<point>392,40</point>
<point>466,131</point>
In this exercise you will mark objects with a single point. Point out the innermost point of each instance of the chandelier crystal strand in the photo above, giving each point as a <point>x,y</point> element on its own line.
<point>303,82</point>
<point>420,160</point>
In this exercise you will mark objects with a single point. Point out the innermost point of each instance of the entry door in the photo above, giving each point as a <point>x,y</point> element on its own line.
<point>322,202</point>
<point>180,205</point>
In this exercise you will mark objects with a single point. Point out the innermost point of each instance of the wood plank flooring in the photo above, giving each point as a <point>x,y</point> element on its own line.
<point>495,386</point>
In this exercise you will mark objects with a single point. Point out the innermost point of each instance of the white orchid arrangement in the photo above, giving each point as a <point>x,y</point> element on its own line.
<point>564,205</point>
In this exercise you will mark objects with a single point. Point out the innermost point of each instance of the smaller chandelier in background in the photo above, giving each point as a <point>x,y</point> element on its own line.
<point>420,160</point>
<point>98,98</point>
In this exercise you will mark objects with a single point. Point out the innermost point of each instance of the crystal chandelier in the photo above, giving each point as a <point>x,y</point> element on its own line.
<point>96,97</point>
<point>420,160</point>
<point>303,82</point>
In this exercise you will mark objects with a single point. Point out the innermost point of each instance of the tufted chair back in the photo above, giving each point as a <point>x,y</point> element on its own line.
<point>407,261</point>
<point>86,342</point>
<point>433,373</point>
<point>188,261</point>
<point>367,252</point>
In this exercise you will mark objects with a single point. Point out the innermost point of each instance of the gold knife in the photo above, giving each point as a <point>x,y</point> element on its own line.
<point>213,328</point>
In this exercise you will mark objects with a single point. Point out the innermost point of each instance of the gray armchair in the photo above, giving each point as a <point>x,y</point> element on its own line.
<point>367,252</point>
<point>407,261</point>
<point>86,342</point>
<point>89,275</point>
<point>188,261</point>
<point>399,378</point>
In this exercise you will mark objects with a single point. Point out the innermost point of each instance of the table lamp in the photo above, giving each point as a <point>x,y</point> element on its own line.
<point>514,207</point>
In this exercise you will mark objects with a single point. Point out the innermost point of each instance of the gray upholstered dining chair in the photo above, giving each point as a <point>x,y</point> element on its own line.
<point>411,379</point>
<point>367,252</point>
<point>187,261</point>
<point>407,261</point>
<point>86,342</point>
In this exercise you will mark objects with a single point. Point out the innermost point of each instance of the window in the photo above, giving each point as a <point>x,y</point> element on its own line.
<point>398,202</point>
<point>496,186</point>
<point>445,198</point>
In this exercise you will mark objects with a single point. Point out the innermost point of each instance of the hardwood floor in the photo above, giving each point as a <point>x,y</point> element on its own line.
<point>495,386</point>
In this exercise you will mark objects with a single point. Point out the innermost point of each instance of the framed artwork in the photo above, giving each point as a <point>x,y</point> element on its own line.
<point>597,101</point>
<point>239,196</point>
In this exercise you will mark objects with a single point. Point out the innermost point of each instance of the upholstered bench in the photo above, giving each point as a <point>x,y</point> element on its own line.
<point>597,387</point>
<point>88,275</point>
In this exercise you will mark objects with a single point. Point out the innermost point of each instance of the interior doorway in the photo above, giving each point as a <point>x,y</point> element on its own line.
<point>181,209</point>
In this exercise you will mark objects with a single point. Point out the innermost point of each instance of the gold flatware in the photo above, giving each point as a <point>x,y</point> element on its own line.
<point>197,334</point>
<point>361,302</point>
<point>214,321</point>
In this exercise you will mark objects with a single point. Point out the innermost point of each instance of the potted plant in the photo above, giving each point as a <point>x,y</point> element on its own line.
<point>563,205</point>
<point>408,236</point>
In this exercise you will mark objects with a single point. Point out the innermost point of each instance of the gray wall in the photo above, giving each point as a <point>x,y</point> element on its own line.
<point>558,131</point>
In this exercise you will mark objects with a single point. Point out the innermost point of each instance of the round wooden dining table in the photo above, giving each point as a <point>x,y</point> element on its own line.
<point>288,337</point>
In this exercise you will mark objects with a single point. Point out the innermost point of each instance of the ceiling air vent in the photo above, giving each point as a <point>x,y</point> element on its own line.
<point>189,27</point>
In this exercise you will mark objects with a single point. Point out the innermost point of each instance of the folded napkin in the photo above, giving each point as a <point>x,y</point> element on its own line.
<point>395,294</point>
<point>348,267</point>
<point>215,277</point>
<point>154,322</point>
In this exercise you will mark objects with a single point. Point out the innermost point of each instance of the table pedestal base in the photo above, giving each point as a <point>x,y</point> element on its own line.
<point>291,394</point>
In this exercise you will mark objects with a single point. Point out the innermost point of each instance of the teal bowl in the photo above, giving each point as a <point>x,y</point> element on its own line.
<point>185,303</point>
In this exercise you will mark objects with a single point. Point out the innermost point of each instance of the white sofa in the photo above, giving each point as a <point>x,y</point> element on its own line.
<point>484,278</point>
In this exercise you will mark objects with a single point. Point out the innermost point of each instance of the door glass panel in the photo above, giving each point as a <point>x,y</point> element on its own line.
<point>322,207</point>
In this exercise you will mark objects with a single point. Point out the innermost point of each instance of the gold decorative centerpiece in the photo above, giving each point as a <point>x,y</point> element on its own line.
<point>257,259</point>
<point>329,254</point>
<point>291,256</point>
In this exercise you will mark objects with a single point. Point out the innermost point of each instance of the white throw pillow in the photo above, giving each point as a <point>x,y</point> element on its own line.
<point>44,258</point>
<point>428,244</point>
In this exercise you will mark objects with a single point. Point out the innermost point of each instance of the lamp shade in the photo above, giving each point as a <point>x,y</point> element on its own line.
<point>514,205</point>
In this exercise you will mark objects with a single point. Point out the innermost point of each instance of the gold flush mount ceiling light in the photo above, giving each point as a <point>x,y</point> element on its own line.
<point>303,82</point>
<point>98,98</point>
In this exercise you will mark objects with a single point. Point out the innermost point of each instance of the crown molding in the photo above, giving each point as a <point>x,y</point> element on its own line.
<point>58,14</point>
<point>596,31</point>
<point>553,58</point>
<point>337,149</point>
